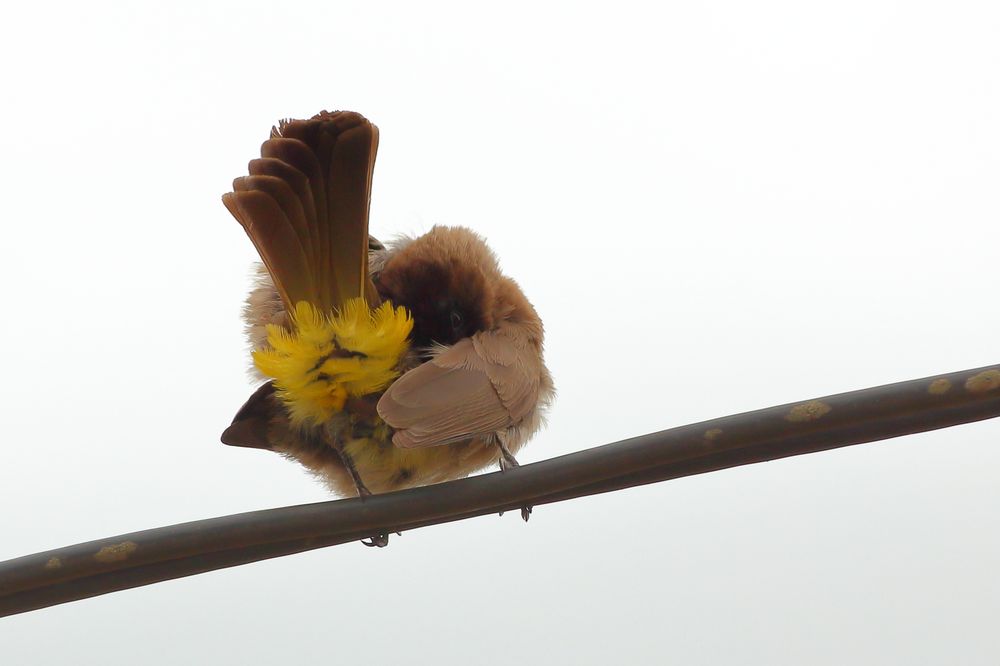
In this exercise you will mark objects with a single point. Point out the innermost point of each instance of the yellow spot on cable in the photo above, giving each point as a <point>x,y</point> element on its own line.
<point>53,563</point>
<point>116,552</point>
<point>987,380</point>
<point>939,386</point>
<point>807,411</point>
<point>711,434</point>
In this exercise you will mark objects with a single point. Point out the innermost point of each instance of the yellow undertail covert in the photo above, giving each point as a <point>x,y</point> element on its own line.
<point>326,358</point>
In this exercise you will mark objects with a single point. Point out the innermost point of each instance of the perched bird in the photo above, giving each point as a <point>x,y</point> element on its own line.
<point>387,366</point>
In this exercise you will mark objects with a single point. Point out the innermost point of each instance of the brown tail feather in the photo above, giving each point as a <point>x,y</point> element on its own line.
<point>305,207</point>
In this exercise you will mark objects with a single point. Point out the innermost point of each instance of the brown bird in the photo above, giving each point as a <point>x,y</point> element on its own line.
<point>388,366</point>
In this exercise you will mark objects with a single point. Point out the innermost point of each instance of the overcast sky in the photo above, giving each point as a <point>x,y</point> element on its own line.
<point>715,207</point>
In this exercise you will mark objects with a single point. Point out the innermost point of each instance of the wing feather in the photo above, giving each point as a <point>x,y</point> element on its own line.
<point>479,385</point>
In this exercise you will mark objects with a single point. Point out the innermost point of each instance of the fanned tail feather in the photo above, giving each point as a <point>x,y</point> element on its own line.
<point>305,204</point>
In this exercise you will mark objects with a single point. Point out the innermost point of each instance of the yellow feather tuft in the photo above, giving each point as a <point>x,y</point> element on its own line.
<point>325,359</point>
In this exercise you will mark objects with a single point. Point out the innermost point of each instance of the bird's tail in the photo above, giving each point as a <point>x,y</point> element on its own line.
<point>305,208</point>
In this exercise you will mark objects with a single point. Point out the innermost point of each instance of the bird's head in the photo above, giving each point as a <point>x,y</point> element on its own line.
<point>451,283</point>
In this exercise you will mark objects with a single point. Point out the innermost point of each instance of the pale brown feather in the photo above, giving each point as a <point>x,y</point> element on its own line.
<point>480,385</point>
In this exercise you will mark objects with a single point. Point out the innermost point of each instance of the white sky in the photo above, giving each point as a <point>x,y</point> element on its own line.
<point>716,207</point>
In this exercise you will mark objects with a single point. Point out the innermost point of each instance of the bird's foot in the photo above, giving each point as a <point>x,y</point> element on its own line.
<point>525,512</point>
<point>377,541</point>
<point>508,461</point>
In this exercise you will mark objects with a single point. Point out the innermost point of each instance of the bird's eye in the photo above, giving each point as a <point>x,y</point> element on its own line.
<point>456,320</point>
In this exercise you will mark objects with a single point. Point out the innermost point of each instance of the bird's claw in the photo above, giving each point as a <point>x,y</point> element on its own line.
<point>525,512</point>
<point>377,541</point>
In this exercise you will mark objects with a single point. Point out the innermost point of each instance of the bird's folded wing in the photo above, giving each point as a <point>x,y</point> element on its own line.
<point>305,207</point>
<point>480,385</point>
<point>251,425</point>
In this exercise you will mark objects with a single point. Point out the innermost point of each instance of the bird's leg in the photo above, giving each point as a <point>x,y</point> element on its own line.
<point>507,460</point>
<point>377,540</point>
<point>359,485</point>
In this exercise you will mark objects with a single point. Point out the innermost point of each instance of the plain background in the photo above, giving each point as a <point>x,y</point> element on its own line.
<point>716,207</point>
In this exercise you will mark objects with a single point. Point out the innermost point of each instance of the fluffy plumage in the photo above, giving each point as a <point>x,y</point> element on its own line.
<point>354,386</point>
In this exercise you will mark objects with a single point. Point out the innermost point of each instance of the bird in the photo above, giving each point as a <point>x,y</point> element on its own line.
<point>384,365</point>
